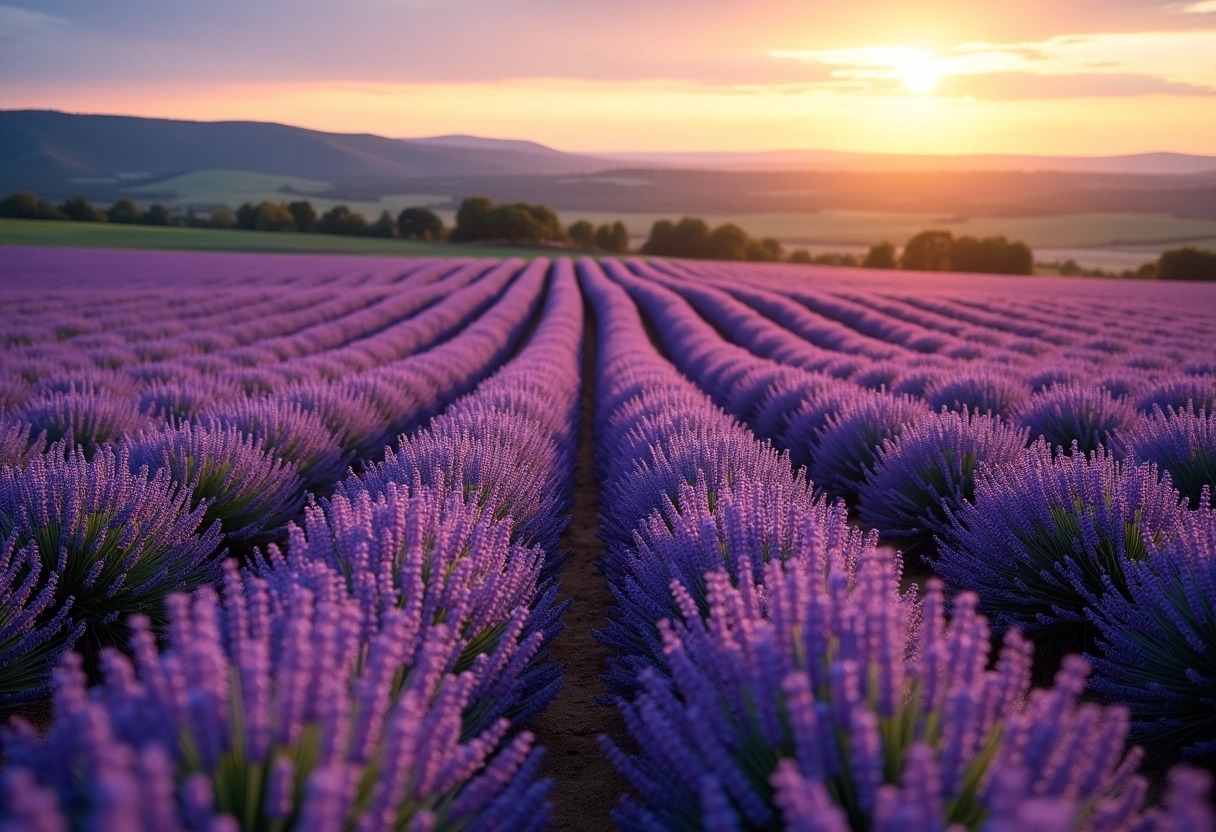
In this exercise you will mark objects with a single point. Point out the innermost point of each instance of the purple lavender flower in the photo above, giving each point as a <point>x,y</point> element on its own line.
<point>33,631</point>
<point>929,470</point>
<point>1065,414</point>
<point>1047,536</point>
<point>112,541</point>
<point>19,443</point>
<point>1197,392</point>
<point>832,703</point>
<point>184,399</point>
<point>288,431</point>
<point>848,444</point>
<point>88,419</point>
<point>348,414</point>
<point>249,491</point>
<point>1181,443</point>
<point>1158,640</point>
<point>342,732</point>
<point>985,389</point>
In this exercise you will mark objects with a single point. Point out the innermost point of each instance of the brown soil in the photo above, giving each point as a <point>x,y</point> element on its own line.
<point>586,785</point>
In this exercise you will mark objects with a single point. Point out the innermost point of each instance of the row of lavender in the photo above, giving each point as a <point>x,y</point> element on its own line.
<point>375,670</point>
<point>1061,535</point>
<point>770,671</point>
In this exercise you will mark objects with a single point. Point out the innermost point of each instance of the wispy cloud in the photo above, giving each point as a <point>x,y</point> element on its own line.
<point>1202,7</point>
<point>1129,64</point>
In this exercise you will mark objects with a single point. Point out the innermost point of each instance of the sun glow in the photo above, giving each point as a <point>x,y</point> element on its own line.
<point>920,75</point>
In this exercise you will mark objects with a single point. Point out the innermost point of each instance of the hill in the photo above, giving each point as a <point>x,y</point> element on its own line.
<point>56,153</point>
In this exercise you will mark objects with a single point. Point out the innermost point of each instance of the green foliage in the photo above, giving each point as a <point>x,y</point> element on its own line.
<point>940,251</point>
<point>994,255</point>
<point>479,219</point>
<point>273,216</point>
<point>157,214</point>
<point>342,220</point>
<point>767,250</point>
<point>613,239</point>
<point>26,206</point>
<point>221,218</point>
<point>420,224</point>
<point>727,242</point>
<point>124,211</point>
<point>303,213</point>
<point>80,209</point>
<point>582,235</point>
<point>1187,263</point>
<point>692,237</point>
<point>384,226</point>
<point>881,256</point>
<point>928,251</point>
<point>246,216</point>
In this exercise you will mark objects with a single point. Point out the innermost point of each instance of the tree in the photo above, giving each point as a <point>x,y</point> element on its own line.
<point>470,219</point>
<point>80,209</point>
<point>246,216</point>
<point>993,255</point>
<point>766,250</point>
<point>157,214</point>
<point>727,242</point>
<point>687,238</point>
<point>124,211</point>
<point>881,256</point>
<point>928,251</point>
<point>25,205</point>
<point>221,218</point>
<point>384,226</point>
<point>420,224</point>
<point>273,216</point>
<point>582,235</point>
<point>1187,263</point>
<point>304,215</point>
<point>613,239</point>
<point>342,220</point>
<point>800,255</point>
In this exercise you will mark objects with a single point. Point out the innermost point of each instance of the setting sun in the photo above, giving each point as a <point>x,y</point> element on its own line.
<point>920,75</point>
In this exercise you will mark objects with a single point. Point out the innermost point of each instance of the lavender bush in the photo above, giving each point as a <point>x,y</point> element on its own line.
<point>1048,536</point>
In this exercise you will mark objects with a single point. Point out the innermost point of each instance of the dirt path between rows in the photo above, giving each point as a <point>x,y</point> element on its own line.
<point>586,785</point>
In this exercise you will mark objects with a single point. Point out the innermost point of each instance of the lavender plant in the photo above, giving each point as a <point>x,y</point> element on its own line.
<point>848,444</point>
<point>838,699</point>
<point>1157,642</point>
<point>929,470</point>
<point>1045,538</point>
<point>87,419</point>
<point>272,716</point>
<point>1075,414</point>
<point>111,541</point>
<point>1181,392</point>
<point>19,443</point>
<point>1182,443</point>
<point>443,561</point>
<point>251,492</point>
<point>986,389</point>
<point>288,431</point>
<point>34,633</point>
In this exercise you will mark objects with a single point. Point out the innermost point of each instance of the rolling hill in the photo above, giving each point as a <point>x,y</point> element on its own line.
<point>50,152</point>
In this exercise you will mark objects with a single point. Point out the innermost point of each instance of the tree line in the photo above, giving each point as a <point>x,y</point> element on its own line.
<point>480,220</point>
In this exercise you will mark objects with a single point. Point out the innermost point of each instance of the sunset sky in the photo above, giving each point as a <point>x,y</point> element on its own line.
<point>1085,77</point>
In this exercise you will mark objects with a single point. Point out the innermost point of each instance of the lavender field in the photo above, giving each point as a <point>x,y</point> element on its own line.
<point>303,543</point>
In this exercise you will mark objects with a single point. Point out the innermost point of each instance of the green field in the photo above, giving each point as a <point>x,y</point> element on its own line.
<point>233,187</point>
<point>824,229</point>
<point>103,235</point>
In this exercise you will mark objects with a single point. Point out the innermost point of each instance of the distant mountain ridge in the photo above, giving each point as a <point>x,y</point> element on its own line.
<point>45,150</point>
<point>1140,164</point>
